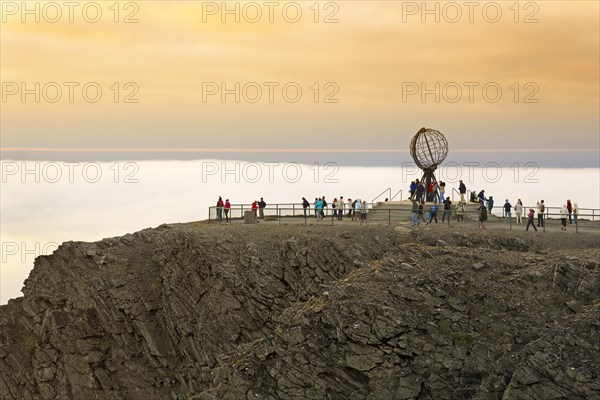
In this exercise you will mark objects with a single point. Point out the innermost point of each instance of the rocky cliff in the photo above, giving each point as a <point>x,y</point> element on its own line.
<point>197,311</point>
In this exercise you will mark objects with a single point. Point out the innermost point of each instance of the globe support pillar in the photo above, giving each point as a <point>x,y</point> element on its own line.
<point>428,177</point>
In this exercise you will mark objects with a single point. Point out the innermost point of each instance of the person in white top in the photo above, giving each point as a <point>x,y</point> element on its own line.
<point>564,214</point>
<point>519,211</point>
<point>341,205</point>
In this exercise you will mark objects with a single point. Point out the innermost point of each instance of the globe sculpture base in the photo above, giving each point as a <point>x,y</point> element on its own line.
<point>428,178</point>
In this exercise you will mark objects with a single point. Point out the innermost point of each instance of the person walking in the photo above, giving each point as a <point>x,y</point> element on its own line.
<point>575,213</point>
<point>447,209</point>
<point>519,211</point>
<point>482,215</point>
<point>507,211</point>
<point>570,210</point>
<point>564,214</point>
<point>261,208</point>
<point>530,216</point>
<point>227,208</point>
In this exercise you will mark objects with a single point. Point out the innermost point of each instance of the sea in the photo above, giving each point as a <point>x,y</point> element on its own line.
<point>44,203</point>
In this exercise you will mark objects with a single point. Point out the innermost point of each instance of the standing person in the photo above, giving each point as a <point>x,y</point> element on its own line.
<point>442,187</point>
<point>530,215</point>
<point>227,208</point>
<point>363,211</point>
<point>570,210</point>
<point>220,205</point>
<point>254,209</point>
<point>447,209</point>
<point>413,189</point>
<point>357,209</point>
<point>519,211</point>
<point>490,204</point>
<point>261,208</point>
<point>507,209</point>
<point>315,206</point>
<point>324,209</point>
<point>414,216</point>
<point>433,213</point>
<point>341,207</point>
<point>305,205</point>
<point>350,208</point>
<point>481,197</point>
<point>460,212</point>
<point>462,189</point>
<point>564,214</point>
<point>422,212</point>
<point>334,204</point>
<point>420,191</point>
<point>482,214</point>
<point>575,213</point>
<point>433,190</point>
<point>541,211</point>
<point>319,209</point>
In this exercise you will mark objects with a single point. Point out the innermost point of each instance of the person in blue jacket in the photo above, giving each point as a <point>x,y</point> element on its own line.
<point>433,213</point>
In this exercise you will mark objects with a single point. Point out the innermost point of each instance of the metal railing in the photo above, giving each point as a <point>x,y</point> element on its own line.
<point>385,213</point>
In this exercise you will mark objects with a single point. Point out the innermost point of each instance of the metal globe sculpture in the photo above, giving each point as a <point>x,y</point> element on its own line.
<point>428,148</point>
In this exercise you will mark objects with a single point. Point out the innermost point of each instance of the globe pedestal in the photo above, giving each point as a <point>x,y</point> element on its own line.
<point>428,177</point>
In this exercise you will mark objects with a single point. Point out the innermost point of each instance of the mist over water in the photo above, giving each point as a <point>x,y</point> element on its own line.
<point>46,203</point>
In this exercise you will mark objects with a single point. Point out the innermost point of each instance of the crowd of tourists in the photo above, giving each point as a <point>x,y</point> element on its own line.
<point>420,192</point>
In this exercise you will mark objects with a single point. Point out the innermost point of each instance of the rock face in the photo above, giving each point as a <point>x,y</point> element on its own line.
<point>282,312</point>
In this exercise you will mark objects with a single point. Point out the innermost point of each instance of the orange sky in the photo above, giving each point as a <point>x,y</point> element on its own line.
<point>374,51</point>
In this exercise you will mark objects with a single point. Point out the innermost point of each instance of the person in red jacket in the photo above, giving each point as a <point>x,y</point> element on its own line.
<point>570,210</point>
<point>255,209</point>
<point>227,208</point>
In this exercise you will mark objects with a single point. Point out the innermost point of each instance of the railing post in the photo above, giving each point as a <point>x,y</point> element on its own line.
<point>293,209</point>
<point>208,214</point>
<point>242,211</point>
<point>510,222</point>
<point>278,216</point>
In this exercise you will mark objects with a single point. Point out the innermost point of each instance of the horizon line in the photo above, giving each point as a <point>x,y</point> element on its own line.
<point>278,150</point>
